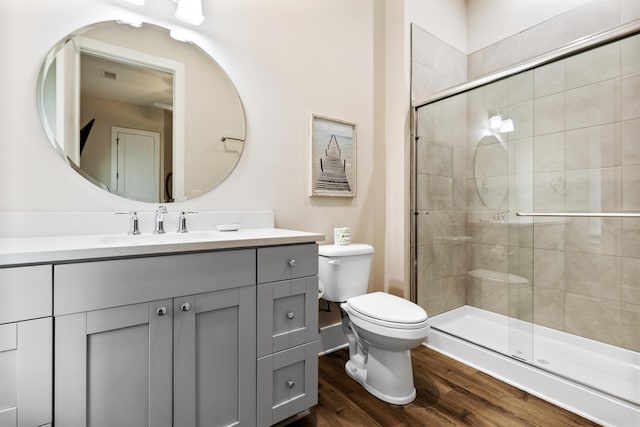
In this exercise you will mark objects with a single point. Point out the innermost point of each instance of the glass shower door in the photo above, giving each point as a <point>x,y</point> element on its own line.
<point>474,257</point>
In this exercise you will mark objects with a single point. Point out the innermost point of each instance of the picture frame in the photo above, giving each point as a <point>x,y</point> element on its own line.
<point>332,157</point>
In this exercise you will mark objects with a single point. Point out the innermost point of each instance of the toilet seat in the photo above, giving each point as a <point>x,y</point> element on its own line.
<point>386,310</point>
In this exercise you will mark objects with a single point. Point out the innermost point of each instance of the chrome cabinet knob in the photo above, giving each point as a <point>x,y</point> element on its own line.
<point>185,307</point>
<point>161,311</point>
<point>291,383</point>
<point>291,315</point>
<point>292,263</point>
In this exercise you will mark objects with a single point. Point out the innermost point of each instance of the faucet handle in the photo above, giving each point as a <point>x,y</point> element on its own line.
<point>134,229</point>
<point>182,221</point>
<point>159,228</point>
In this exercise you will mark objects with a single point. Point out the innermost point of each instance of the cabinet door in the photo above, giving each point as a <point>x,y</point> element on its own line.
<point>113,366</point>
<point>25,373</point>
<point>215,358</point>
<point>287,314</point>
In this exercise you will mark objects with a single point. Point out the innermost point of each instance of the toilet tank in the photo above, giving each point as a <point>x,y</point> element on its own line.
<point>343,271</point>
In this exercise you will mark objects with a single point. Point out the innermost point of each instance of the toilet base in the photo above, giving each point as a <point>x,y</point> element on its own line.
<point>393,385</point>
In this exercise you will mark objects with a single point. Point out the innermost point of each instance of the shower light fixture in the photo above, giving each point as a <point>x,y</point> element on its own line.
<point>498,123</point>
<point>506,126</point>
<point>190,11</point>
<point>495,121</point>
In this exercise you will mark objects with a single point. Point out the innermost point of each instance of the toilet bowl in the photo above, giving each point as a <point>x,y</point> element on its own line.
<point>380,328</point>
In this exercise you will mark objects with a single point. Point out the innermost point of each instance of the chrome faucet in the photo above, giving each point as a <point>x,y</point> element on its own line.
<point>160,220</point>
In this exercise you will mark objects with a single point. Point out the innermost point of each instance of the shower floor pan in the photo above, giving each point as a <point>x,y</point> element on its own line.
<point>596,380</point>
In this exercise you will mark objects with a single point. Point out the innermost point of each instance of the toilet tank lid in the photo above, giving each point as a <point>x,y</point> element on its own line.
<point>345,250</point>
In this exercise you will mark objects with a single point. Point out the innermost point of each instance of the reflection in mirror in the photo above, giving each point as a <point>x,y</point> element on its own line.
<point>491,171</point>
<point>140,114</point>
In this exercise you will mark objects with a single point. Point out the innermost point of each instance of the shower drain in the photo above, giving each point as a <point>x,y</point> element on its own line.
<point>543,362</point>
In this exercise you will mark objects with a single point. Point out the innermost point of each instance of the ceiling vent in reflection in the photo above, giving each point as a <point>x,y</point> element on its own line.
<point>110,75</point>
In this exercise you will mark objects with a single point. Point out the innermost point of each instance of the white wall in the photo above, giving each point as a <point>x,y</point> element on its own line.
<point>489,21</point>
<point>288,59</point>
<point>445,19</point>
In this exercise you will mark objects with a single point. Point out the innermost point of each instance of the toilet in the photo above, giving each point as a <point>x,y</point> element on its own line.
<point>380,328</point>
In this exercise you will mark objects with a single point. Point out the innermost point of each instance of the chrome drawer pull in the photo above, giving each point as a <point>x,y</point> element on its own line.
<point>185,307</point>
<point>291,384</point>
<point>161,311</point>
<point>291,315</point>
<point>292,263</point>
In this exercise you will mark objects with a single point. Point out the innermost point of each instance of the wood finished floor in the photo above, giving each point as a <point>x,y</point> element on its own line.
<point>449,394</point>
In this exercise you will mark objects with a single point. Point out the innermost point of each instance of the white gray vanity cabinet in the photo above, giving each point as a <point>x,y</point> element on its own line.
<point>25,346</point>
<point>156,341</point>
<point>287,331</point>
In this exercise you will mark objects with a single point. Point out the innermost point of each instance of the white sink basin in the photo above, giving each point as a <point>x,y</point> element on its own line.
<point>158,239</point>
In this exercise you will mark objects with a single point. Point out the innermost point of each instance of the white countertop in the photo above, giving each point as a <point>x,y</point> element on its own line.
<point>52,249</point>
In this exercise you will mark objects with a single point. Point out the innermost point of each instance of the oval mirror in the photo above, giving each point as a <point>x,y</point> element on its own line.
<point>140,114</point>
<point>491,171</point>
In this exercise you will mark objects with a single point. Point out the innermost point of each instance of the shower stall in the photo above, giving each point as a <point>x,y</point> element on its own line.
<point>526,224</point>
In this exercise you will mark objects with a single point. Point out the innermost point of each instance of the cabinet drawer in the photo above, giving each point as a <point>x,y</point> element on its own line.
<point>103,284</point>
<point>25,293</point>
<point>287,314</point>
<point>287,262</point>
<point>287,383</point>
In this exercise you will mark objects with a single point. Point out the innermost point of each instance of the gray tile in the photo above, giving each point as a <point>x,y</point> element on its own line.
<point>629,10</point>
<point>543,37</point>
<point>591,275</point>
<point>549,308</point>
<point>631,142</point>
<point>594,147</point>
<point>631,237</point>
<point>591,17</point>
<point>549,269</point>
<point>630,98</point>
<point>594,105</point>
<point>501,54</point>
<point>423,46</point>
<point>549,152</point>
<point>631,280</point>
<point>549,79</point>
<point>475,64</point>
<point>630,62</point>
<point>630,188</point>
<point>594,318</point>
<point>549,113</point>
<point>593,66</point>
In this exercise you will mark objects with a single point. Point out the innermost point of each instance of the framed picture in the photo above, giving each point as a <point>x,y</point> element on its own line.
<point>333,157</point>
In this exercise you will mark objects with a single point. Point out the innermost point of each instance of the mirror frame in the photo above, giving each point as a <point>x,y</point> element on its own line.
<point>479,190</point>
<point>130,56</point>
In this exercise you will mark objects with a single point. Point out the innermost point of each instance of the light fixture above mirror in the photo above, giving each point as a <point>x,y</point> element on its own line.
<point>190,11</point>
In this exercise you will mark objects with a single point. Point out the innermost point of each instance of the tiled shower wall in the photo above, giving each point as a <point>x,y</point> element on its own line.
<point>442,150</point>
<point>586,149</point>
<point>586,273</point>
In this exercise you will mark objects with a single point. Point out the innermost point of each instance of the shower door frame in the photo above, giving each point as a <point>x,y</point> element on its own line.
<point>569,49</point>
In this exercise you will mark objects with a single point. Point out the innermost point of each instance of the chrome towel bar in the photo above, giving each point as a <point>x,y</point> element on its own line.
<point>583,214</point>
